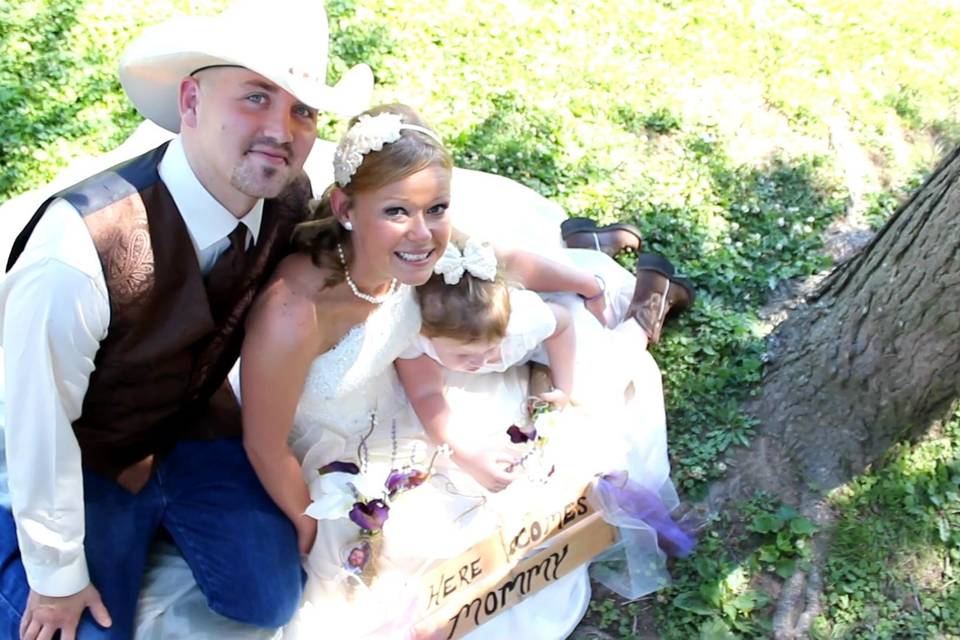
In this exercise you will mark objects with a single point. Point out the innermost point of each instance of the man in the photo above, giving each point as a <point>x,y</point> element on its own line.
<point>122,313</point>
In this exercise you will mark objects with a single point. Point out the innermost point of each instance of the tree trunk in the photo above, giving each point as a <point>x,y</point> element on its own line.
<point>872,357</point>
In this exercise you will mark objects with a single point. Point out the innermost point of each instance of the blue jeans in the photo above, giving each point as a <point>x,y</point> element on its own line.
<point>241,548</point>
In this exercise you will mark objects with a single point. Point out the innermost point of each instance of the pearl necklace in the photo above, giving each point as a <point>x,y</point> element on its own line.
<point>353,285</point>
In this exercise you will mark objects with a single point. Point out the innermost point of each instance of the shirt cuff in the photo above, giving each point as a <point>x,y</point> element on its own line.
<point>58,581</point>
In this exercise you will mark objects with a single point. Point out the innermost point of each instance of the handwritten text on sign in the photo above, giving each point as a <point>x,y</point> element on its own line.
<point>498,549</point>
<point>567,552</point>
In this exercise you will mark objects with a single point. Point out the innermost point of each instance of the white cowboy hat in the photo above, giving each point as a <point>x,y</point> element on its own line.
<point>285,41</point>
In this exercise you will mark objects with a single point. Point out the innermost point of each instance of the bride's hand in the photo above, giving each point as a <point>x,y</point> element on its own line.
<point>492,468</point>
<point>306,533</point>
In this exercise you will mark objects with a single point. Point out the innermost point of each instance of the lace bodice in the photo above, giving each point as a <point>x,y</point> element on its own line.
<point>356,378</point>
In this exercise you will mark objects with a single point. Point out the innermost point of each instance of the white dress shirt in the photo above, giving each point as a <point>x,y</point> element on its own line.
<point>54,312</point>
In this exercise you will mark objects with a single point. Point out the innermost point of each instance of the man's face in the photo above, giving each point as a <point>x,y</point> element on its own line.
<point>246,138</point>
<point>357,557</point>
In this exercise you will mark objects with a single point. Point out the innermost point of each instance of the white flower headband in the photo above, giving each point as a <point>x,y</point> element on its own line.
<point>368,134</point>
<point>477,259</point>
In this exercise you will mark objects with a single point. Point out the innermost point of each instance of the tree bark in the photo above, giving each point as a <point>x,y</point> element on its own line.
<point>873,356</point>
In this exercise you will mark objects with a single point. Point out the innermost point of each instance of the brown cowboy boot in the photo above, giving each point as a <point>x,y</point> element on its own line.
<point>657,294</point>
<point>583,233</point>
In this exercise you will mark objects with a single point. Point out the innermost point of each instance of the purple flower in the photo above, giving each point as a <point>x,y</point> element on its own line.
<point>339,467</point>
<point>370,515</point>
<point>399,481</point>
<point>518,436</point>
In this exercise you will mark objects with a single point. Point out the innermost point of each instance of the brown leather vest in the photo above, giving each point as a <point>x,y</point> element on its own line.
<point>160,374</point>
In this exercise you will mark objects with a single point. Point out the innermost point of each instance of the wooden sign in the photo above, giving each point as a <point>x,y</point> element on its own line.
<point>510,565</point>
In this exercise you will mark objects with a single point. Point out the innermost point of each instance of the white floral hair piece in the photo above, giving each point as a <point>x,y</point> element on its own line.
<point>369,133</point>
<point>477,259</point>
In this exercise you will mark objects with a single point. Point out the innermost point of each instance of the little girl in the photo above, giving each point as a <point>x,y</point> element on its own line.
<point>474,321</point>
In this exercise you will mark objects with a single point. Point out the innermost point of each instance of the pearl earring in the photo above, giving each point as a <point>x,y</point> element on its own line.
<point>347,225</point>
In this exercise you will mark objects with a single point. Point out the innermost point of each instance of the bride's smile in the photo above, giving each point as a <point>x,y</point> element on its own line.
<point>400,230</point>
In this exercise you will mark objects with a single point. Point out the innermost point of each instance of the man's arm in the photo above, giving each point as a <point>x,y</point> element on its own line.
<point>54,313</point>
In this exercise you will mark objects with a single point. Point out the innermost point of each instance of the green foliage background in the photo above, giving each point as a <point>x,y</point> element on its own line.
<point>733,133</point>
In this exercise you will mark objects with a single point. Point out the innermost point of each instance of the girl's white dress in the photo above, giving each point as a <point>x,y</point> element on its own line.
<point>354,386</point>
<point>531,322</point>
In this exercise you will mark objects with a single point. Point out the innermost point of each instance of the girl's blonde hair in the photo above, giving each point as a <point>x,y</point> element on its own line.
<point>414,151</point>
<point>472,310</point>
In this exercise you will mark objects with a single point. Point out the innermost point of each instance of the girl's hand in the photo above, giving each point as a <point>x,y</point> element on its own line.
<point>597,307</point>
<point>556,397</point>
<point>492,468</point>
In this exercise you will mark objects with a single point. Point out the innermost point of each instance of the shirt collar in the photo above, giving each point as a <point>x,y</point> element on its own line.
<point>207,220</point>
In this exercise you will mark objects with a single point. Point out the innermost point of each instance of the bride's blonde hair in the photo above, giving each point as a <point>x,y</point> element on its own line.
<point>414,151</point>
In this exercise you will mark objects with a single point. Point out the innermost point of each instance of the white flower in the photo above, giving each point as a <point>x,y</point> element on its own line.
<point>368,134</point>
<point>548,423</point>
<point>333,496</point>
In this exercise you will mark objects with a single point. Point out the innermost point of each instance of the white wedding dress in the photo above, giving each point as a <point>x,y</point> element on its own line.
<point>350,391</point>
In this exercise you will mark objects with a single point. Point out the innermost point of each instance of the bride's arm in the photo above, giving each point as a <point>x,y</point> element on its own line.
<point>277,351</point>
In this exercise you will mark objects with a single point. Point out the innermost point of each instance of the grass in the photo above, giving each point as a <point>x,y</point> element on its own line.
<point>892,571</point>
<point>731,133</point>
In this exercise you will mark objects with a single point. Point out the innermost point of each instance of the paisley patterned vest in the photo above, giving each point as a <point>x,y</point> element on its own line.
<point>160,374</point>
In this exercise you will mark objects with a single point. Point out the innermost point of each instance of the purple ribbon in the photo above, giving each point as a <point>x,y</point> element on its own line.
<point>619,495</point>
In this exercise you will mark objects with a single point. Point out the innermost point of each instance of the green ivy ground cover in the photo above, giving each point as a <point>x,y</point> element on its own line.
<point>733,133</point>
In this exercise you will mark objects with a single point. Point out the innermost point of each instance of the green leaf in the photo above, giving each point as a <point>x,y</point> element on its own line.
<point>786,567</point>
<point>943,527</point>
<point>785,541</point>
<point>745,601</point>
<point>729,611</point>
<point>693,603</point>
<point>802,526</point>
<point>769,553</point>
<point>711,593</point>
<point>715,629</point>
<point>786,513</point>
<point>765,523</point>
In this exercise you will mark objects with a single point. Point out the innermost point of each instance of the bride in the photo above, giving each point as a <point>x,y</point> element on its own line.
<point>321,401</point>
